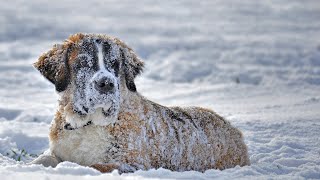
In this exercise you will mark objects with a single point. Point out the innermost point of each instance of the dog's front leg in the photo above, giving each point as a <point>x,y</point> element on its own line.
<point>109,167</point>
<point>46,160</point>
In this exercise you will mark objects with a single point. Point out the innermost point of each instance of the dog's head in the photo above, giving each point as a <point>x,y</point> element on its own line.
<point>91,71</point>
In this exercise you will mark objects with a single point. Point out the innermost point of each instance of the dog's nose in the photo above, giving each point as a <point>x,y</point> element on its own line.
<point>104,85</point>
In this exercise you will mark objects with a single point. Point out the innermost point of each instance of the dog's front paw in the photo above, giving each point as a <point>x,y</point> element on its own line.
<point>46,161</point>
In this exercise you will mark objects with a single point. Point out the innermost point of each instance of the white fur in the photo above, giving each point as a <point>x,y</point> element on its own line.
<point>100,57</point>
<point>85,145</point>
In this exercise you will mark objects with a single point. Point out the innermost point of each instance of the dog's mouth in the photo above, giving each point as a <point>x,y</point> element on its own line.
<point>101,116</point>
<point>82,112</point>
<point>106,111</point>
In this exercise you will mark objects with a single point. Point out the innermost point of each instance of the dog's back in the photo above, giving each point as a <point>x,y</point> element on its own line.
<point>180,139</point>
<point>217,144</point>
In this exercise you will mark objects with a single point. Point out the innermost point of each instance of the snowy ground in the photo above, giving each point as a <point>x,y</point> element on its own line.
<point>257,63</point>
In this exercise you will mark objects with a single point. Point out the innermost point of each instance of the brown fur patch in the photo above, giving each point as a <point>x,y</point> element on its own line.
<point>73,56</point>
<point>55,127</point>
<point>41,61</point>
<point>104,168</point>
<point>75,38</point>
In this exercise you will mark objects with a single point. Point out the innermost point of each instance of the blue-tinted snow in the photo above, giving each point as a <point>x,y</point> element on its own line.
<point>255,62</point>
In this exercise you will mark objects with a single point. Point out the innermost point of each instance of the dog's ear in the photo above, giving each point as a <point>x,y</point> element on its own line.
<point>53,65</point>
<point>132,66</point>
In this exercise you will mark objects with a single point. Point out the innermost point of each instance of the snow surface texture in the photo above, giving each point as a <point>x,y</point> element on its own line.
<point>257,63</point>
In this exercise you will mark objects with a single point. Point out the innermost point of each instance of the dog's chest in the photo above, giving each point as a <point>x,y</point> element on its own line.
<point>86,146</point>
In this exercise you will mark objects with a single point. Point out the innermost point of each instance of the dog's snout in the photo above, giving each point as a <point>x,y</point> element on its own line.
<point>104,85</point>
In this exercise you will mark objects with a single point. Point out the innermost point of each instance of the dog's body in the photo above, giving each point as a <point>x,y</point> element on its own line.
<point>107,125</point>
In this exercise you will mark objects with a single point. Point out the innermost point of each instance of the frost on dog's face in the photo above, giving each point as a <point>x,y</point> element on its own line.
<point>95,76</point>
<point>89,69</point>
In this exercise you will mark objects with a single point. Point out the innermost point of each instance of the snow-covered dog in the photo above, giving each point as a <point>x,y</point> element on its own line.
<point>103,122</point>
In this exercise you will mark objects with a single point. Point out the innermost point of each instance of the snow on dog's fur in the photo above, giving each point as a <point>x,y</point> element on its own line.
<point>103,122</point>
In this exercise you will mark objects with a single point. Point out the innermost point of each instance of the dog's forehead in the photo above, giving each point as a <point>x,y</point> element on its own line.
<point>89,40</point>
<point>88,44</point>
<point>80,38</point>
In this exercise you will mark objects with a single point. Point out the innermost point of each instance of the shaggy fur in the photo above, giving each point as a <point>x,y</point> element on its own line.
<point>136,133</point>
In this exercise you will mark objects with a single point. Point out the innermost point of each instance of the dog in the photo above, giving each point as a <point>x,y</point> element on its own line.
<point>103,122</point>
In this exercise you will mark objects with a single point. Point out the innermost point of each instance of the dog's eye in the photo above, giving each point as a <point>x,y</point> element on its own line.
<point>85,60</point>
<point>115,67</point>
<point>115,64</point>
